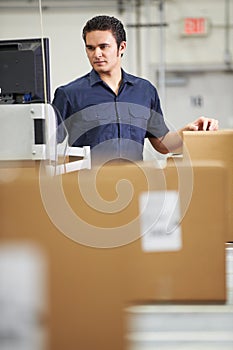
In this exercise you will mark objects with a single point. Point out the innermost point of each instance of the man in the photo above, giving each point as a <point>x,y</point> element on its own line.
<point>113,111</point>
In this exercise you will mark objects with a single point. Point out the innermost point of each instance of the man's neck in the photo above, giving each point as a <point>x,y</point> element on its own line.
<point>113,80</point>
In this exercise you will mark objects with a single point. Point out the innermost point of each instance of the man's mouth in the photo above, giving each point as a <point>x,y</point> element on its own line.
<point>99,62</point>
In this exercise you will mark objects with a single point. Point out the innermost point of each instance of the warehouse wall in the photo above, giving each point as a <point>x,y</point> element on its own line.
<point>150,50</point>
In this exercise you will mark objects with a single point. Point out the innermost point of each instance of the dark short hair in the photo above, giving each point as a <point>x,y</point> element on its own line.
<point>105,23</point>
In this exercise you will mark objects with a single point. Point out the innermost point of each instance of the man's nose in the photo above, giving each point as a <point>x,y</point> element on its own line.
<point>98,52</point>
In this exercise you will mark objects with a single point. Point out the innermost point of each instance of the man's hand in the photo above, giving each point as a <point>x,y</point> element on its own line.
<point>202,123</point>
<point>172,141</point>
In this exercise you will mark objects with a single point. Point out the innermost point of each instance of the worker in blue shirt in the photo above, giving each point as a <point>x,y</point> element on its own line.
<point>113,111</point>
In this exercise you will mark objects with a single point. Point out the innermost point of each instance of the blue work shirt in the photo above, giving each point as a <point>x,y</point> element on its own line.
<point>112,125</point>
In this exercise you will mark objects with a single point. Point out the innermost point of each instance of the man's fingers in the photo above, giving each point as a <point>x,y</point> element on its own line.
<point>213,125</point>
<point>205,124</point>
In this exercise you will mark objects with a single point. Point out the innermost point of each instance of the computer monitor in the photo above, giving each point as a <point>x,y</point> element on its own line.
<point>22,67</point>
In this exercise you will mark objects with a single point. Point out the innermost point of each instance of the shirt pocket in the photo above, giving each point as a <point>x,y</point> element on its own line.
<point>97,115</point>
<point>138,116</point>
<point>96,123</point>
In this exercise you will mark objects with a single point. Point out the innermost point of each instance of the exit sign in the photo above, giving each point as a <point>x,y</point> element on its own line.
<point>195,26</point>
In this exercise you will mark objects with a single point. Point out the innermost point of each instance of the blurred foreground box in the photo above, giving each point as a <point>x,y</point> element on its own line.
<point>119,235</point>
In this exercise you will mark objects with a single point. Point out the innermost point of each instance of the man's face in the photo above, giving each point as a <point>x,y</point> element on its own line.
<point>102,51</point>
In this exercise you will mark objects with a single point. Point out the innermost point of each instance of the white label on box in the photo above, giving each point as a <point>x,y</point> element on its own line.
<point>160,221</point>
<point>22,298</point>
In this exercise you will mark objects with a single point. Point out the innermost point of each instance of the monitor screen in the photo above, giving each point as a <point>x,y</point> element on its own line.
<point>22,66</point>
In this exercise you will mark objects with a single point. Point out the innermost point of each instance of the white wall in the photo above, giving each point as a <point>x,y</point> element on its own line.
<point>204,50</point>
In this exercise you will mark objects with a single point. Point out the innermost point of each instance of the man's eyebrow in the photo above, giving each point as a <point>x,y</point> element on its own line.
<point>101,44</point>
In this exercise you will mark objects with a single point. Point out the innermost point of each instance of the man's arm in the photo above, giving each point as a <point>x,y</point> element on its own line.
<point>173,141</point>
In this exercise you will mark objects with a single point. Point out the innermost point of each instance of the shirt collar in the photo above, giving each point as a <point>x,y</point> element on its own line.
<point>127,78</point>
<point>95,78</point>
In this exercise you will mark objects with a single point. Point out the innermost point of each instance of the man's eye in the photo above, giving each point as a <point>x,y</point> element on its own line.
<point>104,46</point>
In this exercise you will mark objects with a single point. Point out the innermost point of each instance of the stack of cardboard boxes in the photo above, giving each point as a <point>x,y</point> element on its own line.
<point>117,236</point>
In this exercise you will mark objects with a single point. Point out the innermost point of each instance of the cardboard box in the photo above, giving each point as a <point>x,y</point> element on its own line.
<point>94,245</point>
<point>214,145</point>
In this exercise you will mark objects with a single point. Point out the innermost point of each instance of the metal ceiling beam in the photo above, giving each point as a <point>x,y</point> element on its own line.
<point>59,4</point>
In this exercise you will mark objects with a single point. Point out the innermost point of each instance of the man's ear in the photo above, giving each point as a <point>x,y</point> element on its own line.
<point>122,47</point>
